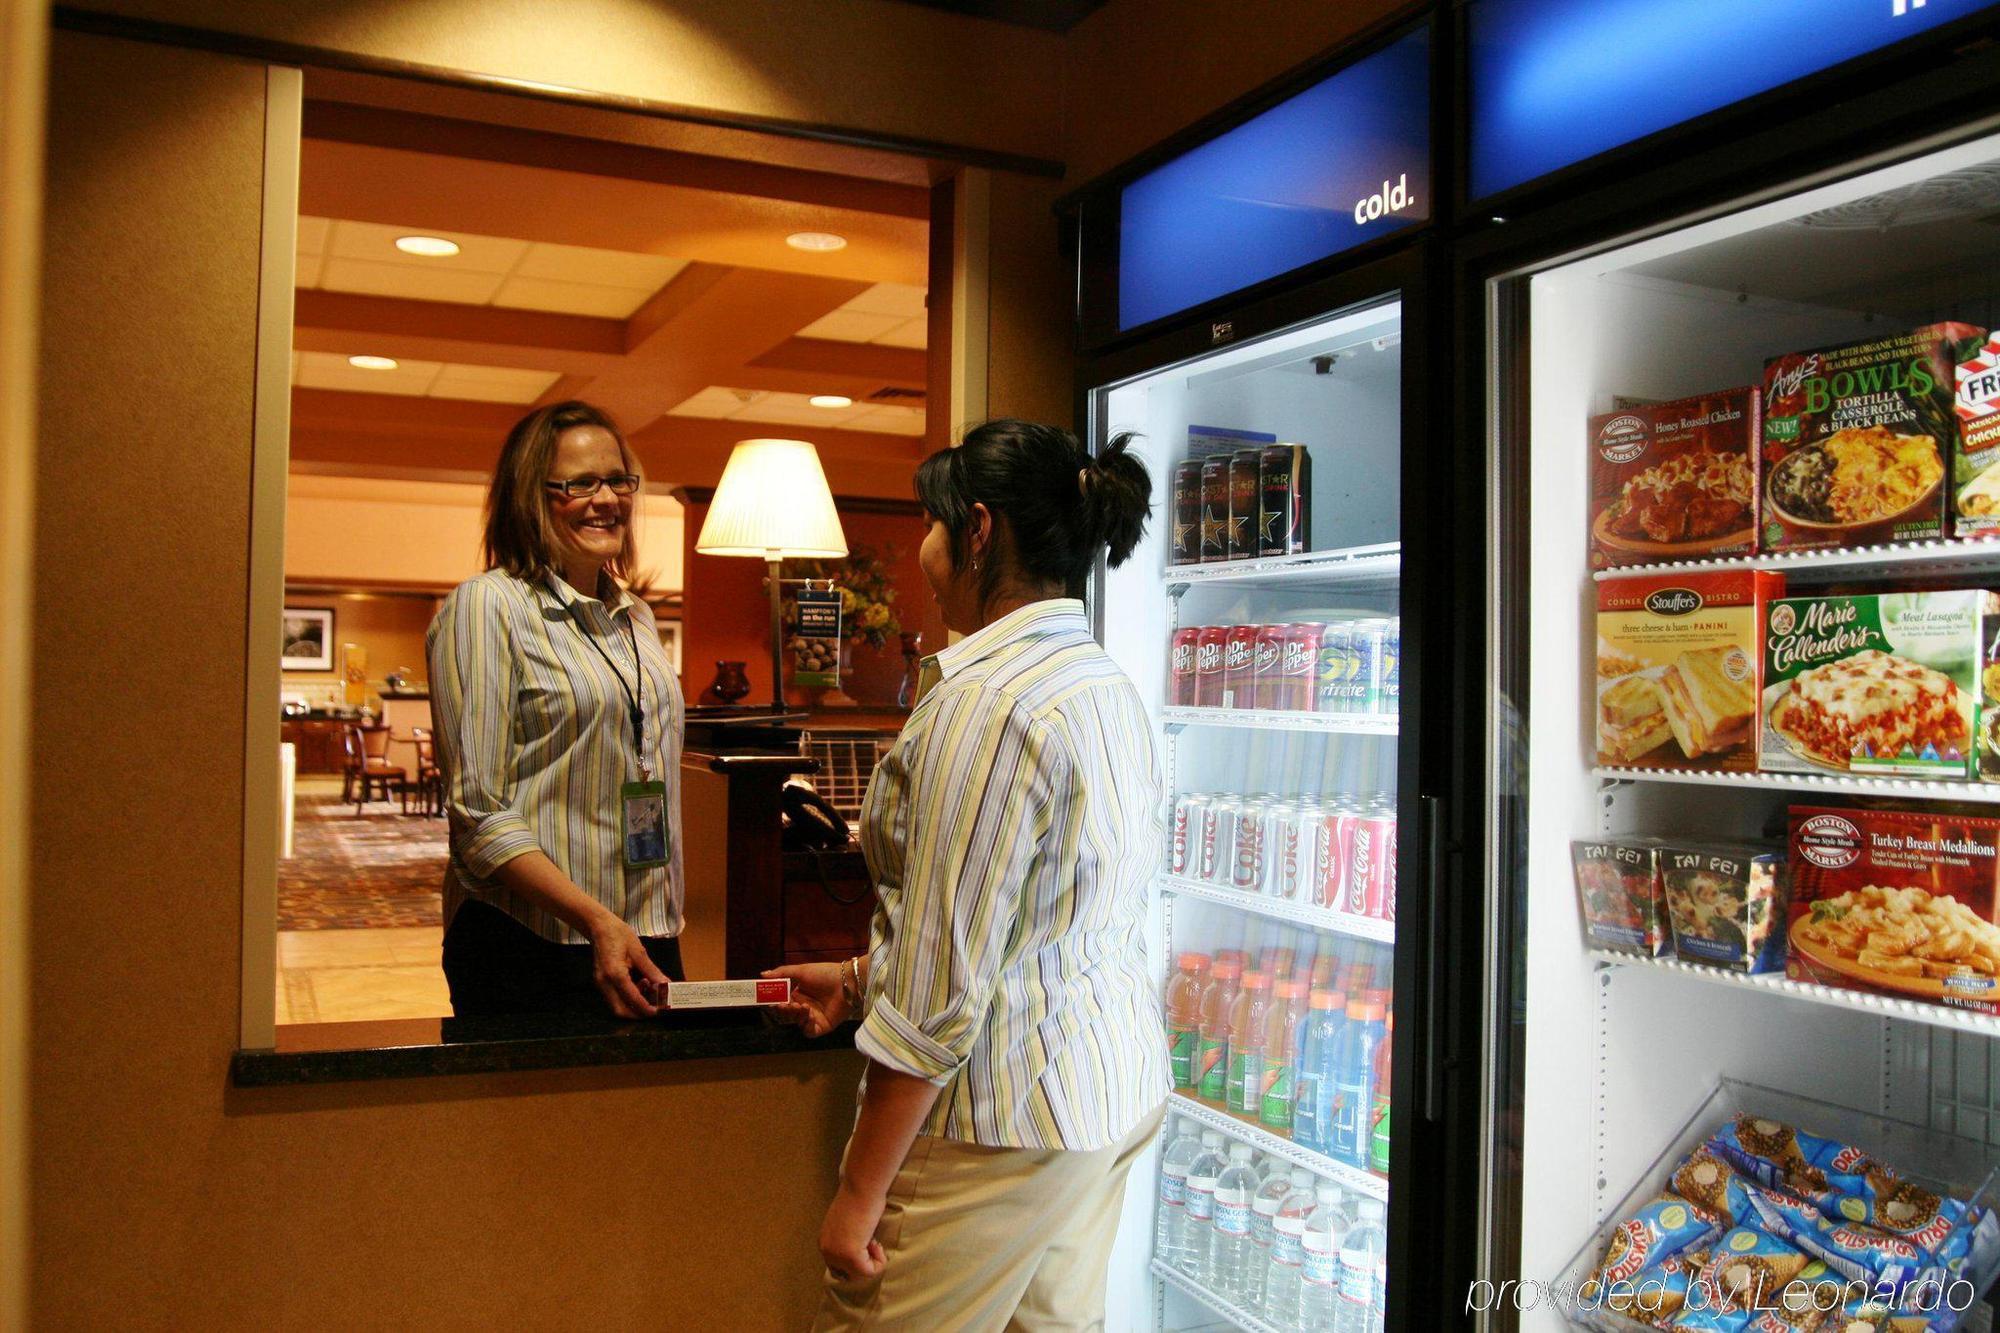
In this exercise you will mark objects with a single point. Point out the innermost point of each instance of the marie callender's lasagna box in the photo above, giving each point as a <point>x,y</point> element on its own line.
<point>1673,481</point>
<point>1898,903</point>
<point>1875,685</point>
<point>1677,659</point>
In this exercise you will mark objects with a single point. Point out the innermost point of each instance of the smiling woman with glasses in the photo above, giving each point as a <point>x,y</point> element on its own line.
<point>558,722</point>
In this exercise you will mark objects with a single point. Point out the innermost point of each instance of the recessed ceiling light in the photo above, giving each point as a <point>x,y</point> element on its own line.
<point>816,240</point>
<point>430,247</point>
<point>830,400</point>
<point>372,362</point>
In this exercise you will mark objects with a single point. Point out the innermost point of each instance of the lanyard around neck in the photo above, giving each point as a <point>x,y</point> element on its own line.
<point>637,700</point>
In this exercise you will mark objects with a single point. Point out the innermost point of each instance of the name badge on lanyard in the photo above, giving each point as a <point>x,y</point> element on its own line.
<point>647,839</point>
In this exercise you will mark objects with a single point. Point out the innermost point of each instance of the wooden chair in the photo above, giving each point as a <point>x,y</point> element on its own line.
<point>368,778</point>
<point>429,786</point>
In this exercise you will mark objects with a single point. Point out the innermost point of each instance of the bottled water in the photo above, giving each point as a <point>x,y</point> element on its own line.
<point>1326,1232</point>
<point>1285,1255</point>
<point>1170,1235</point>
<point>1362,1253</point>
<point>1231,1247</point>
<point>1199,1224</point>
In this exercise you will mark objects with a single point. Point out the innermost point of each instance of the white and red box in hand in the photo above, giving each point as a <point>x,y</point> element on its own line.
<point>728,994</point>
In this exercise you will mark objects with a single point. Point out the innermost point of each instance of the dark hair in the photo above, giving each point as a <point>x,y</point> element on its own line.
<point>519,537</point>
<point>1061,506</point>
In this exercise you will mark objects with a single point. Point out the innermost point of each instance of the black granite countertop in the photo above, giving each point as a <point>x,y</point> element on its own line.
<point>412,1048</point>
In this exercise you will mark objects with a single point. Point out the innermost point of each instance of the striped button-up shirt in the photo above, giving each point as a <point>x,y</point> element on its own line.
<point>531,684</point>
<point>1012,833</point>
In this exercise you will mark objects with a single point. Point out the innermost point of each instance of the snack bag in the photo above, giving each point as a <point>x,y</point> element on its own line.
<point>1662,1229</point>
<point>1771,1153</point>
<point>1706,1177</point>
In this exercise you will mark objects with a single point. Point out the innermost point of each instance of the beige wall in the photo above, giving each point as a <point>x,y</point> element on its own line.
<point>162,1197</point>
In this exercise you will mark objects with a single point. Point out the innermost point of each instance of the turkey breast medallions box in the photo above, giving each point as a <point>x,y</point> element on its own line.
<point>1677,659</point>
<point>1880,685</point>
<point>1896,902</point>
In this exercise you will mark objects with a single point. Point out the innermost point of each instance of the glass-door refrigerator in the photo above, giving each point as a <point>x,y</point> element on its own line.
<point>1264,620</point>
<point>1743,738</point>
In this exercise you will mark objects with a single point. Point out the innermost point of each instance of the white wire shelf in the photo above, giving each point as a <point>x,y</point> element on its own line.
<point>1835,784</point>
<point>1267,719</point>
<point>1902,558</point>
<point>1350,1178</point>
<point>1319,918</point>
<point>1380,565</point>
<point>1776,983</point>
<point>1222,1305</point>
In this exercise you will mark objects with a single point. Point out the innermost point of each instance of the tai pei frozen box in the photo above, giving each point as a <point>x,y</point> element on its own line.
<point>1882,685</point>
<point>1671,481</point>
<point>1677,659</point>
<point>1897,903</point>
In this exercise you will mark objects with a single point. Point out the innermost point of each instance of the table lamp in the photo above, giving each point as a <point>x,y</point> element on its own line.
<point>773,504</point>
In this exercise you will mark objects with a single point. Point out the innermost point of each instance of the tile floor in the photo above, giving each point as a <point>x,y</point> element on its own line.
<point>344,976</point>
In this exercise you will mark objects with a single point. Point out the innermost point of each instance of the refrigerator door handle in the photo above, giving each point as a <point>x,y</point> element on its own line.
<point>1436,954</point>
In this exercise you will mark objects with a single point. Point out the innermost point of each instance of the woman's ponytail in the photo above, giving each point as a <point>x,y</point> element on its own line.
<point>1120,496</point>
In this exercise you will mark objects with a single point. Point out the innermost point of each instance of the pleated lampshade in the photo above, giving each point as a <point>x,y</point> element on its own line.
<point>773,503</point>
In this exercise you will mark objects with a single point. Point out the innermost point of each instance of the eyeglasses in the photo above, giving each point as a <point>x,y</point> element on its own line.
<point>582,488</point>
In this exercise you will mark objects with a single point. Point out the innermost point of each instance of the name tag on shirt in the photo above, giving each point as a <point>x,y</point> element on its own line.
<point>644,823</point>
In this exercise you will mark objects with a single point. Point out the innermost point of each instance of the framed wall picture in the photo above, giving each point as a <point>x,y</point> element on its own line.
<point>670,639</point>
<point>308,639</point>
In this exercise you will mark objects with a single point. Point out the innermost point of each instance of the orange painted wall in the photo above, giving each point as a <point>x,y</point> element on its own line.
<point>159,1195</point>
<point>390,627</point>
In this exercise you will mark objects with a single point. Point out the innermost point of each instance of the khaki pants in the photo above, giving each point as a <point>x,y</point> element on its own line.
<point>992,1238</point>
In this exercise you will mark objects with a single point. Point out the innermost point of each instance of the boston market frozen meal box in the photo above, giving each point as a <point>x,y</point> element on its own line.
<point>1857,439</point>
<point>1677,659</point>
<point>1672,481</point>
<point>1881,685</point>
<point>1897,903</point>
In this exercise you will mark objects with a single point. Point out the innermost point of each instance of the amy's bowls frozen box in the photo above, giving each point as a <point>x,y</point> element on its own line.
<point>1677,659</point>
<point>1671,481</point>
<point>1857,439</point>
<point>1895,902</point>
<point>1883,685</point>
<point>1726,904</point>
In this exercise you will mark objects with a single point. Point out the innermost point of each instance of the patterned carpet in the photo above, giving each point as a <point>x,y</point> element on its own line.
<point>380,869</point>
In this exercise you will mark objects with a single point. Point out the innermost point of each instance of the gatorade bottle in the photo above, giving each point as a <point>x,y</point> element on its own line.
<point>1184,1016</point>
<point>1230,1251</point>
<point>1378,1119</point>
<point>1287,1258</point>
<point>1324,1242</point>
<point>1211,1052</point>
<point>1279,1069</point>
<point>1246,1041</point>
<point>1354,1082</point>
<point>1200,1220</point>
<point>1170,1233</point>
<point>1365,1248</point>
<point>1312,1109</point>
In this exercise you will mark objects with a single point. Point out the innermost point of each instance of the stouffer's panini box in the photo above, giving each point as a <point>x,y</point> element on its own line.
<point>1671,481</point>
<point>1677,659</point>
<point>1897,903</point>
<point>1857,439</point>
<point>1879,685</point>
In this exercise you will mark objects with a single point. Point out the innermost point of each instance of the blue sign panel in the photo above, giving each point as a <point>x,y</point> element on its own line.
<point>1343,162</point>
<point>1558,81</point>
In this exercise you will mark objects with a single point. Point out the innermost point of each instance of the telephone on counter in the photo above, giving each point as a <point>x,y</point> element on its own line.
<point>810,823</point>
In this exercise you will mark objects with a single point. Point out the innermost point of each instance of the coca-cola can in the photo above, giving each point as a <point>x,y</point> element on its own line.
<point>1208,645</point>
<point>1248,854</point>
<point>1367,876</point>
<point>1298,665</point>
<point>1266,658</point>
<point>1351,893</point>
<point>1329,881</point>
<point>1239,660</point>
<point>1181,668</point>
<point>1217,845</point>
<point>1389,872</point>
<point>1184,835</point>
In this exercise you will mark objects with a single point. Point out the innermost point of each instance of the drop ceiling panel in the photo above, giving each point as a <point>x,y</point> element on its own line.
<point>312,235</point>
<point>714,403</point>
<point>326,370</point>
<point>310,266</point>
<point>889,298</point>
<point>441,284</point>
<point>569,298</point>
<point>796,409</point>
<point>850,326</point>
<point>602,268</point>
<point>891,420</point>
<point>491,384</point>
<point>476,254</point>
<point>916,333</point>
